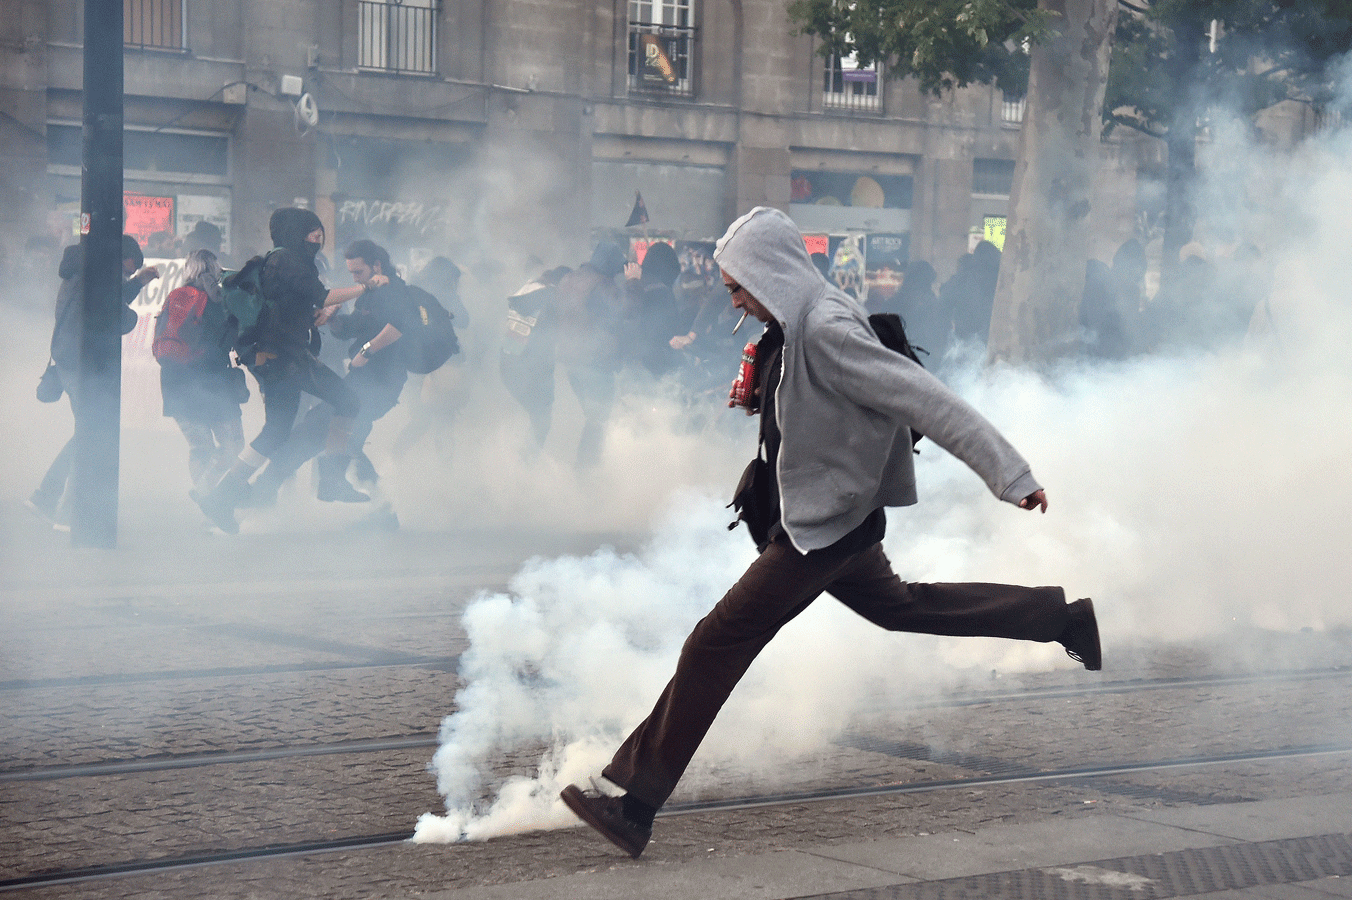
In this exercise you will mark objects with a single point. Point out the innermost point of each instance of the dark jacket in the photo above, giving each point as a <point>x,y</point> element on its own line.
<point>66,334</point>
<point>392,304</point>
<point>291,285</point>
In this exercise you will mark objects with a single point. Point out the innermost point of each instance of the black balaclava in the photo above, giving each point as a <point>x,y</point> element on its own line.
<point>289,227</point>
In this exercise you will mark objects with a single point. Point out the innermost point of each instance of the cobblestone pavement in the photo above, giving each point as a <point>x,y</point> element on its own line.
<point>107,663</point>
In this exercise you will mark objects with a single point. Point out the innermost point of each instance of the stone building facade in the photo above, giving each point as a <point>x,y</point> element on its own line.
<point>514,129</point>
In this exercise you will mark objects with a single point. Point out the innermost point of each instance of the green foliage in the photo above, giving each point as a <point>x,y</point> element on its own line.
<point>941,43</point>
<point>1164,71</point>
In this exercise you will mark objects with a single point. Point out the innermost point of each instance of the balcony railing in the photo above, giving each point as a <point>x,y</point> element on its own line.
<point>153,23</point>
<point>1012,110</point>
<point>660,59</point>
<point>395,37</point>
<point>846,85</point>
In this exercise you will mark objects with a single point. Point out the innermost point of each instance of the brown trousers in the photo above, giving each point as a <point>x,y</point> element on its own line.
<point>779,585</point>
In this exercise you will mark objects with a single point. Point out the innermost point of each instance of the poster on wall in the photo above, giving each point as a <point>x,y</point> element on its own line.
<point>148,218</point>
<point>886,255</point>
<point>194,208</point>
<point>993,230</point>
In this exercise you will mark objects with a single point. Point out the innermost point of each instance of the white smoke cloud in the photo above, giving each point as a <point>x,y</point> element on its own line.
<point>1194,496</point>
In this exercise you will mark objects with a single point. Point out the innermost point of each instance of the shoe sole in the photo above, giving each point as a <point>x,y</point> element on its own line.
<point>1097,658</point>
<point>572,796</point>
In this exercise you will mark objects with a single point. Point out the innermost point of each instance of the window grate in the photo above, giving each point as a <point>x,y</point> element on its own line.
<point>847,85</point>
<point>153,23</point>
<point>397,35</point>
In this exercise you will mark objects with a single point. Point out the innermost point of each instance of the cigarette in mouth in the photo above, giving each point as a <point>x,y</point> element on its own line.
<point>739,322</point>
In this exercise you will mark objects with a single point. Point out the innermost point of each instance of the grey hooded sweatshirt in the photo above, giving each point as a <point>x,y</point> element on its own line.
<point>845,403</point>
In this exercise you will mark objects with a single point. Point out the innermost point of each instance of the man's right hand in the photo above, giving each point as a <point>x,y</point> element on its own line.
<point>1034,500</point>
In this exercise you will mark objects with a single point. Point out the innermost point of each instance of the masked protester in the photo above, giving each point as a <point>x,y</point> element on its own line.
<point>281,355</point>
<point>837,409</point>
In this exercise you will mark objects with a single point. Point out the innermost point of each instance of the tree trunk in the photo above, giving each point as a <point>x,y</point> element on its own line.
<point>1037,299</point>
<point>1180,216</point>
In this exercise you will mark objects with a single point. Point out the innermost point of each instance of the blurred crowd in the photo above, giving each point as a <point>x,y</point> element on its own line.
<point>634,319</point>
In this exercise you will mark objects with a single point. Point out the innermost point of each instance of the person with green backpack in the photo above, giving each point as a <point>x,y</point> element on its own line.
<point>279,348</point>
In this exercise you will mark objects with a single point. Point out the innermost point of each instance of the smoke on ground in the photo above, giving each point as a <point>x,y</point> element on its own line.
<point>1195,496</point>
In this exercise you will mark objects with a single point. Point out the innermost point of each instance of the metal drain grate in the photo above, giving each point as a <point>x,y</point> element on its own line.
<point>1181,873</point>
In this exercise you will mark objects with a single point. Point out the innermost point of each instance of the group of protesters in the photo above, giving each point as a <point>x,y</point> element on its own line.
<point>203,350</point>
<point>652,317</point>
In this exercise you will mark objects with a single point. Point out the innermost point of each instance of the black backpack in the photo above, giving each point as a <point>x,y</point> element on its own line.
<point>242,294</point>
<point>891,332</point>
<point>433,340</point>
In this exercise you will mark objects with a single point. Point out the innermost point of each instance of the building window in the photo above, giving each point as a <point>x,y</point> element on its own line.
<point>993,176</point>
<point>1011,109</point>
<point>154,23</point>
<point>149,154</point>
<point>397,35</point>
<point>848,85</point>
<point>661,47</point>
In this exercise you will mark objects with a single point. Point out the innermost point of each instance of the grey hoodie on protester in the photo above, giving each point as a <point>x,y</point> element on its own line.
<point>845,403</point>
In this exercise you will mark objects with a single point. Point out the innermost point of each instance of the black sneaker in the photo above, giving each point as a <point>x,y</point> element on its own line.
<point>1081,637</point>
<point>606,815</point>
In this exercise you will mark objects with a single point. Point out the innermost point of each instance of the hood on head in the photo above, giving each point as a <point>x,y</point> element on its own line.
<point>763,251</point>
<point>660,264</point>
<point>289,227</point>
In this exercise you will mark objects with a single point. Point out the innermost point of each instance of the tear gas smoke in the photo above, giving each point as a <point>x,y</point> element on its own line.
<point>1193,495</point>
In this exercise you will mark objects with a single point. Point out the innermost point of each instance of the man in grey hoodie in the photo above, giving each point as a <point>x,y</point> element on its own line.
<point>837,413</point>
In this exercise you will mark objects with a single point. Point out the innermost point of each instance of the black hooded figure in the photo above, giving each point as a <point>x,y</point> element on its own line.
<point>654,315</point>
<point>280,352</point>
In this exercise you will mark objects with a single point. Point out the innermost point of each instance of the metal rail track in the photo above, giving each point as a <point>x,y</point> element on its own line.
<point>414,741</point>
<point>395,661</point>
<point>277,851</point>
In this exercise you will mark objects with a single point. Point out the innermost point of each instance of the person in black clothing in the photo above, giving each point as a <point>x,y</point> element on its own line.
<point>376,373</point>
<point>590,311</point>
<point>970,294</point>
<point>435,400</point>
<point>928,325</point>
<point>529,349</point>
<point>280,352</point>
<point>653,313</point>
<point>65,351</point>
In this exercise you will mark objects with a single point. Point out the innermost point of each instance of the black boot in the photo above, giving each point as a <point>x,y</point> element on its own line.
<point>364,470</point>
<point>333,483</point>
<point>219,504</point>
<point>262,493</point>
